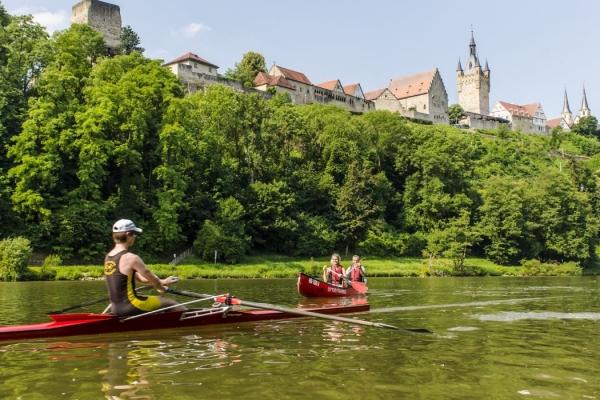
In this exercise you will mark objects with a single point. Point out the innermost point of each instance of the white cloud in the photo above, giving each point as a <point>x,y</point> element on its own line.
<point>157,53</point>
<point>52,21</point>
<point>192,29</point>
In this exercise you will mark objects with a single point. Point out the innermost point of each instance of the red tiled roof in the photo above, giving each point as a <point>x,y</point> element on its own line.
<point>351,89</point>
<point>374,94</point>
<point>294,76</point>
<point>531,108</point>
<point>190,57</point>
<point>263,78</point>
<point>329,85</point>
<point>553,123</point>
<point>412,85</point>
<point>527,110</point>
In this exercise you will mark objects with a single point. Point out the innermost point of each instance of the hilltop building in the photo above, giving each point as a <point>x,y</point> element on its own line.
<point>103,17</point>
<point>473,83</point>
<point>303,91</point>
<point>422,95</point>
<point>529,118</point>
<point>196,73</point>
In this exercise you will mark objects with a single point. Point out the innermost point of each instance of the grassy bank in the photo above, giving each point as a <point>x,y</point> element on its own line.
<point>287,267</point>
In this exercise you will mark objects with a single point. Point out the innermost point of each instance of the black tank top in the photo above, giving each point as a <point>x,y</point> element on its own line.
<point>121,287</point>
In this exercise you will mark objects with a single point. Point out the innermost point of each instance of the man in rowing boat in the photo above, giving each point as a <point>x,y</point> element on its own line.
<point>122,269</point>
<point>335,273</point>
<point>356,272</point>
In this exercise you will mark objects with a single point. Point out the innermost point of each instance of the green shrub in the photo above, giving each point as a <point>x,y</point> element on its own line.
<point>53,260</point>
<point>14,257</point>
<point>537,268</point>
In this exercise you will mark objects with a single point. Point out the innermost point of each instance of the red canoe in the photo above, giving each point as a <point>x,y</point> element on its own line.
<point>95,324</point>
<point>312,287</point>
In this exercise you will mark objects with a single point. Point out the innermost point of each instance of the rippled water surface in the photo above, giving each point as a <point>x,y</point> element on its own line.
<point>494,338</point>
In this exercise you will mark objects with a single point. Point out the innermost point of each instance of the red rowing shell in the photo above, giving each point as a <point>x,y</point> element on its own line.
<point>94,324</point>
<point>312,287</point>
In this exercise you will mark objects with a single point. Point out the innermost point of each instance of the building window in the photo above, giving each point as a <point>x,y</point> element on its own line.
<point>195,65</point>
<point>209,69</point>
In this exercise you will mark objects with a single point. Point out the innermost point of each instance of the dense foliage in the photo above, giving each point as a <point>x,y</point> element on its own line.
<point>92,139</point>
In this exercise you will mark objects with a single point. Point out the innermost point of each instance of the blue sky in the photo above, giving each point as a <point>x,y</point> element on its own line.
<point>535,48</point>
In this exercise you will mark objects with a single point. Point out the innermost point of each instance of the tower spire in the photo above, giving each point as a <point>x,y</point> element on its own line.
<point>472,44</point>
<point>566,108</point>
<point>584,105</point>
<point>567,114</point>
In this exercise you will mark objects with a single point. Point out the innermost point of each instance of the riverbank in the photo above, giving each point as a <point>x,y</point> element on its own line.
<point>287,267</point>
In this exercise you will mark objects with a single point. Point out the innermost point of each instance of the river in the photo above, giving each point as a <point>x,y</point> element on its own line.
<point>494,338</point>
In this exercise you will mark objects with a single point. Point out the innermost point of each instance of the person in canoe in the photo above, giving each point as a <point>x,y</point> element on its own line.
<point>356,272</point>
<point>334,274</point>
<point>122,269</point>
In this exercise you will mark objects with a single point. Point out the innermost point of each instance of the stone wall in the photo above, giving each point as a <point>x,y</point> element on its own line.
<point>103,17</point>
<point>194,81</point>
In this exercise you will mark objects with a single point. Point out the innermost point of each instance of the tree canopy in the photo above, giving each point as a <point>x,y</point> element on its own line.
<point>90,139</point>
<point>246,70</point>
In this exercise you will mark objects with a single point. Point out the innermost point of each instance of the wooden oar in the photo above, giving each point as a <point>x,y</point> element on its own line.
<point>234,301</point>
<point>89,303</point>
<point>356,285</point>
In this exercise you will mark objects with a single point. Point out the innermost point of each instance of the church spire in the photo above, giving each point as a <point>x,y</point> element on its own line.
<point>585,110</point>
<point>566,108</point>
<point>567,115</point>
<point>459,68</point>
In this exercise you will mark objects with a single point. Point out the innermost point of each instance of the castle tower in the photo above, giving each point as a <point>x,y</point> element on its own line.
<point>474,83</point>
<point>103,17</point>
<point>585,110</point>
<point>566,113</point>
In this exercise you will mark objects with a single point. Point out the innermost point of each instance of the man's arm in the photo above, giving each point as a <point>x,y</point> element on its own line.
<point>144,275</point>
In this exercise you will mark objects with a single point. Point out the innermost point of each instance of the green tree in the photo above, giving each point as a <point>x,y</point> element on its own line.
<point>586,126</point>
<point>14,258</point>
<point>438,164</point>
<point>507,228</point>
<point>455,112</point>
<point>24,53</point>
<point>567,227</point>
<point>225,234</point>
<point>503,131</point>
<point>355,205</point>
<point>129,41</point>
<point>556,137</point>
<point>246,70</point>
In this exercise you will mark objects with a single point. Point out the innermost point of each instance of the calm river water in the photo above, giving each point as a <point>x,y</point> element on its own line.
<point>495,338</point>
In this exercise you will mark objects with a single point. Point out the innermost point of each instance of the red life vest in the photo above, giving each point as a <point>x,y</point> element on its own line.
<point>355,274</point>
<point>336,278</point>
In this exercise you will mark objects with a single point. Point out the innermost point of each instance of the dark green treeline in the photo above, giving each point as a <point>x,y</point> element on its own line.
<point>87,140</point>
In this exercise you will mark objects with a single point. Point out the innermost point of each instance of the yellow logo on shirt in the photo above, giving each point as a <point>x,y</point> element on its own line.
<point>110,267</point>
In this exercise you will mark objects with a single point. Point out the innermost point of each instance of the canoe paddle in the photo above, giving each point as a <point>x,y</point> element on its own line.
<point>89,303</point>
<point>265,306</point>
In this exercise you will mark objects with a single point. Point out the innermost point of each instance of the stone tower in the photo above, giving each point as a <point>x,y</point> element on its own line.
<point>103,17</point>
<point>473,83</point>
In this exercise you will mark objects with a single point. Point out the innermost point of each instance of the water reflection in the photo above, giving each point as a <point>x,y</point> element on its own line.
<point>495,338</point>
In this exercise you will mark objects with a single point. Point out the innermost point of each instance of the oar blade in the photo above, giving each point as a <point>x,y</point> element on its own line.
<point>409,330</point>
<point>359,287</point>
